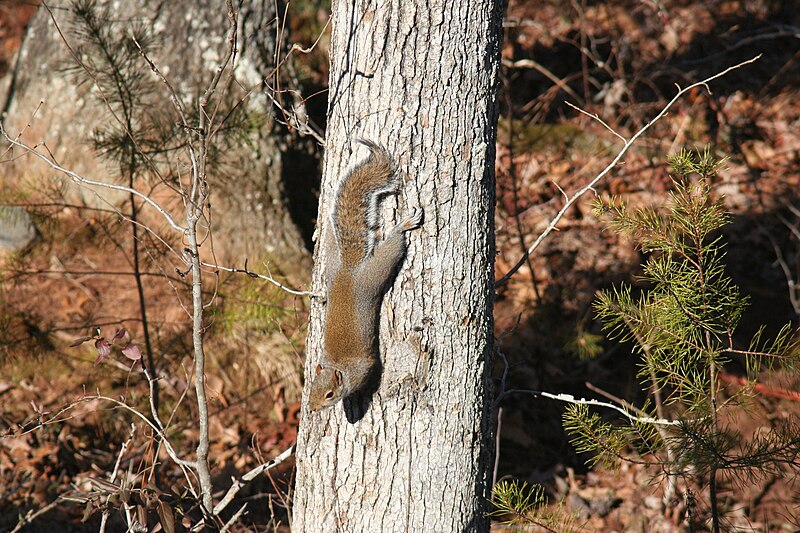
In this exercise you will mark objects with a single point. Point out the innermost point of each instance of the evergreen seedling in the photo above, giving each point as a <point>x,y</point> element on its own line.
<point>683,328</point>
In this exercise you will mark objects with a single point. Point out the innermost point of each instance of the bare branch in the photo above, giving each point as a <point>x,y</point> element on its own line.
<point>33,515</point>
<point>261,276</point>
<point>58,417</point>
<point>595,116</point>
<point>296,119</point>
<point>497,445</point>
<point>86,181</point>
<point>233,519</point>
<point>569,398</point>
<point>249,476</point>
<point>594,181</point>
<point>541,69</point>
<point>297,47</point>
<point>791,284</point>
<point>194,212</point>
<point>176,102</point>
<point>122,450</point>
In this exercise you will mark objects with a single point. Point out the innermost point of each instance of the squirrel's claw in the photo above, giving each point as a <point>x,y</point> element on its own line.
<point>414,220</point>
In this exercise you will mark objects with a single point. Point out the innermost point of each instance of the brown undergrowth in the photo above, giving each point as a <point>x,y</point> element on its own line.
<point>620,60</point>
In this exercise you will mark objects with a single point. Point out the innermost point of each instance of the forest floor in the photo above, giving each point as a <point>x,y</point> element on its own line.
<point>618,60</point>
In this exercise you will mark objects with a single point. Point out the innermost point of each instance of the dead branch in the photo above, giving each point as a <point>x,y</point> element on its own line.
<point>627,143</point>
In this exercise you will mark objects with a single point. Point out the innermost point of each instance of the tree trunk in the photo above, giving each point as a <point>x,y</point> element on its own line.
<point>250,208</point>
<point>420,79</point>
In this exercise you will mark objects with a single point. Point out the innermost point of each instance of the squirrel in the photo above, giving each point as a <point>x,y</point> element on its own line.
<point>361,271</point>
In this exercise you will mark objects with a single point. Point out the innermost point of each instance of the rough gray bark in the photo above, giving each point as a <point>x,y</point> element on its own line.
<point>420,78</point>
<point>250,214</point>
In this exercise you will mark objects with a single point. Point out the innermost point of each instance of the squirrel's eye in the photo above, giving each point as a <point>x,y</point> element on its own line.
<point>329,395</point>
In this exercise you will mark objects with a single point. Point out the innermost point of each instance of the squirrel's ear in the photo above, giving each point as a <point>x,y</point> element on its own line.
<point>338,377</point>
<point>318,370</point>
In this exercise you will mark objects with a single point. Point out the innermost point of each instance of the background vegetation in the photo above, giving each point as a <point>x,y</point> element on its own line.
<point>620,60</point>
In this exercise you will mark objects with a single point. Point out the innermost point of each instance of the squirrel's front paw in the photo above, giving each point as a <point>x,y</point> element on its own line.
<point>414,220</point>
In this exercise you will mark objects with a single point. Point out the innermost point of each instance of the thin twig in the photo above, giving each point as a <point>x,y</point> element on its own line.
<point>57,417</point>
<point>595,116</point>
<point>194,213</point>
<point>301,125</point>
<point>569,398</point>
<point>249,476</point>
<point>176,103</point>
<point>86,181</point>
<point>628,143</point>
<point>122,450</point>
<point>497,445</point>
<point>614,398</point>
<point>260,276</point>
<point>31,516</point>
<point>233,519</point>
<point>19,135</point>
<point>541,69</point>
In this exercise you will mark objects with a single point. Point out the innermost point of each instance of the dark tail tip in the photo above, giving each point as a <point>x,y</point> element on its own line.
<point>378,153</point>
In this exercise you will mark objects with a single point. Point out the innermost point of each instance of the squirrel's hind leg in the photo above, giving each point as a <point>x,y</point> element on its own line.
<point>411,222</point>
<point>378,269</point>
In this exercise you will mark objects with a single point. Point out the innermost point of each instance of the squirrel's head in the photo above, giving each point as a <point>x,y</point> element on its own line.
<point>326,389</point>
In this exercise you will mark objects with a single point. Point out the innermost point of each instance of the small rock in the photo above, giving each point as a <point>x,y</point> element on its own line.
<point>602,505</point>
<point>652,502</point>
<point>17,230</point>
<point>594,501</point>
<point>578,506</point>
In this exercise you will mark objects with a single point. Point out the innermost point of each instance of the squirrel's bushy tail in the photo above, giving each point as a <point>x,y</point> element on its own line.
<point>356,209</point>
